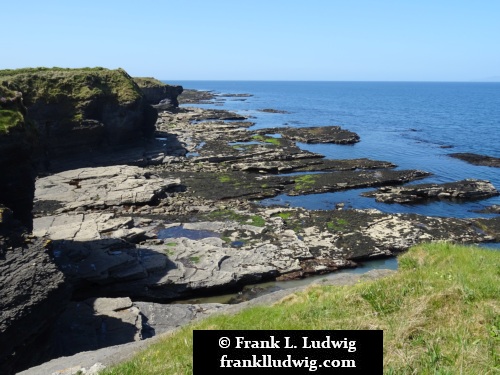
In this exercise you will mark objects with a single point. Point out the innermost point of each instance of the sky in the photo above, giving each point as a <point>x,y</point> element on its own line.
<point>330,40</point>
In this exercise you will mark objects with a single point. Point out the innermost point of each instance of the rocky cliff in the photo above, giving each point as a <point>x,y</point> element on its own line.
<point>48,114</point>
<point>17,141</point>
<point>80,110</point>
<point>32,289</point>
<point>157,92</point>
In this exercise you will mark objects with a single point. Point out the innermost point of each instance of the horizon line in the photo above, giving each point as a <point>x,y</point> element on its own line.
<point>318,80</point>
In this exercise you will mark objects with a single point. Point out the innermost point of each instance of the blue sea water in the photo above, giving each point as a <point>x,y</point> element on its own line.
<point>414,125</point>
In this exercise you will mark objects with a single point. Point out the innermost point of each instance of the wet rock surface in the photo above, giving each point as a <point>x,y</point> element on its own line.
<point>322,134</point>
<point>477,159</point>
<point>470,189</point>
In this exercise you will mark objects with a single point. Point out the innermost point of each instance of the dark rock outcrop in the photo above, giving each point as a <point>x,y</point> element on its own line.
<point>477,159</point>
<point>156,92</point>
<point>320,134</point>
<point>17,141</point>
<point>80,110</point>
<point>33,292</point>
<point>469,189</point>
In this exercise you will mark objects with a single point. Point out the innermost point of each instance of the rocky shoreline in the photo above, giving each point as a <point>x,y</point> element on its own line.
<point>177,216</point>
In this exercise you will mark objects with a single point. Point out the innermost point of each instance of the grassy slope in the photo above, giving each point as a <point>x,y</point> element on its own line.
<point>148,82</point>
<point>440,315</point>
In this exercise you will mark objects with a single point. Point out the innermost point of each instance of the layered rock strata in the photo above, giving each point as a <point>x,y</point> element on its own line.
<point>84,110</point>
<point>159,93</point>
<point>17,142</point>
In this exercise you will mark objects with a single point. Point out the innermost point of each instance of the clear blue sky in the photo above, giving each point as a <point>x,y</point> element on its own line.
<point>404,40</point>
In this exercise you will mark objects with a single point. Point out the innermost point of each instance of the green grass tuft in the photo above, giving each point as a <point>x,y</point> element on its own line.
<point>10,119</point>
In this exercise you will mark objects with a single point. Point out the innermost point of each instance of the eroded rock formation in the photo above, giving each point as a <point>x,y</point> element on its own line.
<point>83,110</point>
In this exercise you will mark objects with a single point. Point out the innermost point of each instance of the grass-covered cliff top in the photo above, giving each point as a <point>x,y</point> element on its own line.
<point>148,82</point>
<point>53,85</point>
<point>440,314</point>
<point>11,110</point>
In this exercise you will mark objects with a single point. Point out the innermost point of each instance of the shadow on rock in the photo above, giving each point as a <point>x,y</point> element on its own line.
<point>94,324</point>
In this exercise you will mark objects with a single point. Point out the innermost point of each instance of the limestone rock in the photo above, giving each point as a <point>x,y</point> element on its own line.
<point>100,187</point>
<point>93,324</point>
<point>158,318</point>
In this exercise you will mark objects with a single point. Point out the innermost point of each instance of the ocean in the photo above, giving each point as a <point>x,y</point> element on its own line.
<point>415,125</point>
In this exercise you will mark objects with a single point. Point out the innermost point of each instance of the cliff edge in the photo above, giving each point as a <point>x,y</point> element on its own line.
<point>79,110</point>
<point>17,142</point>
<point>48,114</point>
<point>157,92</point>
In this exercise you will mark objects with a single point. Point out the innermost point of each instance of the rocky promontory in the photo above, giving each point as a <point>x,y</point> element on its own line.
<point>86,110</point>
<point>159,94</point>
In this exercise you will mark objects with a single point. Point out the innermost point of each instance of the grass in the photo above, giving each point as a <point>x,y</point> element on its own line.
<point>62,85</point>
<point>11,109</point>
<point>440,314</point>
<point>148,82</point>
<point>10,119</point>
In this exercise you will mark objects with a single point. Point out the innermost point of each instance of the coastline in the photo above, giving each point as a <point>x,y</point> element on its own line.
<point>180,220</point>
